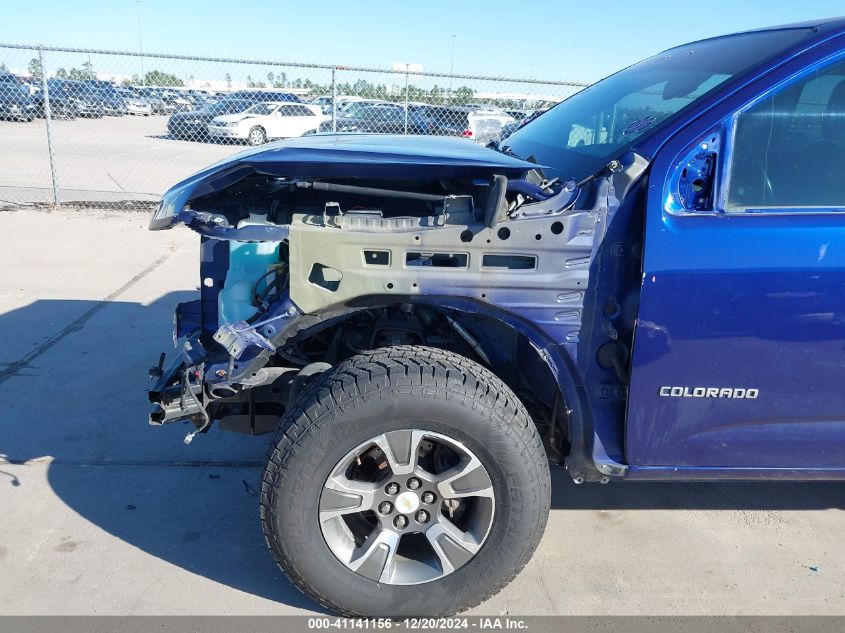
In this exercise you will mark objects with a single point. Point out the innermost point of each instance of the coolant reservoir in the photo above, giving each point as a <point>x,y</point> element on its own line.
<point>248,261</point>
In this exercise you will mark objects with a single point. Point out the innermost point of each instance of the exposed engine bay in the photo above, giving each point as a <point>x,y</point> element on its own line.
<point>306,266</point>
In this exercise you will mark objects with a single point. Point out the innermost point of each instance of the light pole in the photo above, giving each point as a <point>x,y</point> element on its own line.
<point>140,41</point>
<point>452,67</point>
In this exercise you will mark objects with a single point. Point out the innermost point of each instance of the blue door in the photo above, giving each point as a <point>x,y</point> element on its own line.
<point>739,352</point>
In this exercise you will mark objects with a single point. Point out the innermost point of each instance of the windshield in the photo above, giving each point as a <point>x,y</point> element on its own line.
<point>227,107</point>
<point>353,107</point>
<point>579,136</point>
<point>13,90</point>
<point>261,109</point>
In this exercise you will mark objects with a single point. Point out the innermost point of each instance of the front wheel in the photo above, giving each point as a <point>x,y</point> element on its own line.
<point>407,481</point>
<point>256,136</point>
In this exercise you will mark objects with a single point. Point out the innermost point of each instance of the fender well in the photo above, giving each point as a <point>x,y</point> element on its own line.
<point>534,366</point>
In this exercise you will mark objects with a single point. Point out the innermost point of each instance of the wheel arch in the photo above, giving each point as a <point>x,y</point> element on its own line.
<point>533,348</point>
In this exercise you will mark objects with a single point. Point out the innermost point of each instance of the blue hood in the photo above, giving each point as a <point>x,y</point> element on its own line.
<point>345,156</point>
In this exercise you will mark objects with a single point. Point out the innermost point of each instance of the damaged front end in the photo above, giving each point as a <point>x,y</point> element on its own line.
<point>318,248</point>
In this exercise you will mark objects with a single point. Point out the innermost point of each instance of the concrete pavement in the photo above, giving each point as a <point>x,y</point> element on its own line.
<point>102,514</point>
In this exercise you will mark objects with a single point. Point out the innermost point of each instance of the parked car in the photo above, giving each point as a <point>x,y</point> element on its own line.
<point>268,120</point>
<point>510,128</point>
<point>157,103</point>
<point>134,103</point>
<point>193,126</point>
<point>61,105</point>
<point>442,120</point>
<point>483,124</point>
<point>15,100</point>
<point>113,103</point>
<point>647,279</point>
<point>72,98</point>
<point>379,120</point>
<point>176,101</point>
<point>261,96</point>
<point>324,103</point>
<point>107,94</point>
<point>348,108</point>
<point>201,101</point>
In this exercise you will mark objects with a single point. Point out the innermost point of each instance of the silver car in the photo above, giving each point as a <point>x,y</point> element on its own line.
<point>135,103</point>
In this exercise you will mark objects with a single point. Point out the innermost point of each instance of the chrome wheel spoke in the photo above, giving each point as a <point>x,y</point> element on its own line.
<point>467,479</point>
<point>374,559</point>
<point>401,448</point>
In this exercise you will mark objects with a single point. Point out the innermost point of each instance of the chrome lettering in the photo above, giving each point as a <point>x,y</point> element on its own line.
<point>736,393</point>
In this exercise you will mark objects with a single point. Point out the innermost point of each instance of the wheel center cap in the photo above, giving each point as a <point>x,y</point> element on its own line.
<point>407,502</point>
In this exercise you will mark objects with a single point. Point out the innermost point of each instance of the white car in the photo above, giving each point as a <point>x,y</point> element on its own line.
<point>270,119</point>
<point>483,125</point>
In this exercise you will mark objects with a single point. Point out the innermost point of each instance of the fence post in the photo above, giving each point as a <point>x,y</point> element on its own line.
<point>334,98</point>
<point>407,71</point>
<point>48,119</point>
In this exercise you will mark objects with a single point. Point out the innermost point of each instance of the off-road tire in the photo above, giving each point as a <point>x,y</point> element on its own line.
<point>398,388</point>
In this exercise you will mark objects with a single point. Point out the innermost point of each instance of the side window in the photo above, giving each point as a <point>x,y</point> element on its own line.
<point>787,147</point>
<point>301,110</point>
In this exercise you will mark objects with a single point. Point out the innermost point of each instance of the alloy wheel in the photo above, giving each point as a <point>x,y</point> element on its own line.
<point>407,507</point>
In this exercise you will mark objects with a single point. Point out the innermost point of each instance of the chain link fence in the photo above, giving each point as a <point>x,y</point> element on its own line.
<point>95,128</point>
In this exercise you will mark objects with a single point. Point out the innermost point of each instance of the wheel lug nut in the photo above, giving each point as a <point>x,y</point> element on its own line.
<point>428,497</point>
<point>385,507</point>
<point>421,516</point>
<point>414,483</point>
<point>401,521</point>
<point>392,488</point>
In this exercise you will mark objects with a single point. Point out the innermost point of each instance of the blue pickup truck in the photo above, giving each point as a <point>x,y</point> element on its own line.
<point>645,282</point>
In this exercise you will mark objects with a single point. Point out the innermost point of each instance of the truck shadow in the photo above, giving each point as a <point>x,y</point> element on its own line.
<point>79,406</point>
<point>726,495</point>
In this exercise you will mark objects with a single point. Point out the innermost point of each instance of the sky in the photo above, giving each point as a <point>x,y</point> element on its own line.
<point>537,38</point>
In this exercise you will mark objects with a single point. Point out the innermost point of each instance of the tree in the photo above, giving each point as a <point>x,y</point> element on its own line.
<point>61,73</point>
<point>228,82</point>
<point>35,68</point>
<point>159,78</point>
<point>270,77</point>
<point>436,94</point>
<point>88,70</point>
<point>464,94</point>
<point>249,83</point>
<point>4,68</point>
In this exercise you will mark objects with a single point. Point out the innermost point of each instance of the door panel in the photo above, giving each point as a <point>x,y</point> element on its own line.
<point>739,354</point>
<point>718,326</point>
<point>284,122</point>
<point>272,125</point>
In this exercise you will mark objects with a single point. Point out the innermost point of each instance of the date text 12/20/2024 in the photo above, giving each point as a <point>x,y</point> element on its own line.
<point>416,624</point>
